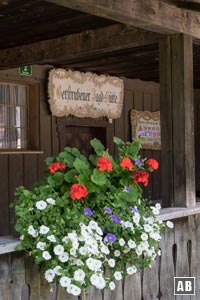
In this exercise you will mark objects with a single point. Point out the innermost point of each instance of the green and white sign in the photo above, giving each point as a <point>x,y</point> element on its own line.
<point>25,70</point>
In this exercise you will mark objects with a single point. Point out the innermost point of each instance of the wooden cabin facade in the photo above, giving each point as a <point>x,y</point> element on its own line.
<point>154,47</point>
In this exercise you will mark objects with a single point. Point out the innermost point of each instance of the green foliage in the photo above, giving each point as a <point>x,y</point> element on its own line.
<point>98,146</point>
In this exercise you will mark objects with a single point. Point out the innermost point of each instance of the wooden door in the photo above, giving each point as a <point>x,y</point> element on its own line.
<point>80,136</point>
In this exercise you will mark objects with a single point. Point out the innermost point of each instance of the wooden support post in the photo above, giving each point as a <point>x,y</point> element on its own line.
<point>177,121</point>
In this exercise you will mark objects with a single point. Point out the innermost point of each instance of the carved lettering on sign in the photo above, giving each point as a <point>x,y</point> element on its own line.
<point>85,94</point>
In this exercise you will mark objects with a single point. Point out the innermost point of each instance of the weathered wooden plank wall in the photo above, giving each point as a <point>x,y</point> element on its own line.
<point>180,257</point>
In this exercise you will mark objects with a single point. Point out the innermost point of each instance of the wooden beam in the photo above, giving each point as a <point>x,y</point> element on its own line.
<point>152,15</point>
<point>80,45</point>
<point>177,120</point>
<point>166,122</point>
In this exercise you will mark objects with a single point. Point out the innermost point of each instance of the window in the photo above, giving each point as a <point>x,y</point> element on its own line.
<point>14,99</point>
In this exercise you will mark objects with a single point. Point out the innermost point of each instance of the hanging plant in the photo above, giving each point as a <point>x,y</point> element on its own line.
<point>89,216</point>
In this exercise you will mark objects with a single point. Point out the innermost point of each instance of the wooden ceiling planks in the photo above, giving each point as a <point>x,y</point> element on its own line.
<point>27,21</point>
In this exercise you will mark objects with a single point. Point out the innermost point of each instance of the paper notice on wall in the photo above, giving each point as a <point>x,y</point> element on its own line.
<point>148,122</point>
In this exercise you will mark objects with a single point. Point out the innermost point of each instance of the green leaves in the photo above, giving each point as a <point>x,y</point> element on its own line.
<point>98,146</point>
<point>98,177</point>
<point>56,179</point>
<point>81,166</point>
<point>69,176</point>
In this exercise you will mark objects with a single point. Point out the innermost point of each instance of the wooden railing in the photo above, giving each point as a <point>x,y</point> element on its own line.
<point>180,246</point>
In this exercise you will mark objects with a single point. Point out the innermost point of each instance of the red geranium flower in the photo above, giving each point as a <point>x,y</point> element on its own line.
<point>152,163</point>
<point>126,163</point>
<point>141,176</point>
<point>78,191</point>
<point>104,164</point>
<point>55,166</point>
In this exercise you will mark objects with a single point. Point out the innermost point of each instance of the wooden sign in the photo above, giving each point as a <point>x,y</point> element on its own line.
<point>149,122</point>
<point>85,94</point>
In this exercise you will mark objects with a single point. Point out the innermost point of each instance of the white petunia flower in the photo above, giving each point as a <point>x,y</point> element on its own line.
<point>57,270</point>
<point>93,225</point>
<point>73,252</point>
<point>41,245</point>
<point>117,253</point>
<point>118,275</point>
<point>94,279</point>
<point>74,290</point>
<point>79,275</point>
<point>65,281</point>
<point>65,239</point>
<point>126,250</point>
<point>75,245</point>
<point>136,219</point>
<point>58,250</point>
<point>111,262</point>
<point>169,224</point>
<point>112,285</point>
<point>139,250</point>
<point>131,244</point>
<point>144,236</point>
<point>99,231</point>
<point>73,236</point>
<point>51,201</point>
<point>131,270</point>
<point>78,262</point>
<point>127,224</point>
<point>155,236</point>
<point>32,231</point>
<point>64,257</point>
<point>121,242</point>
<point>46,255</point>
<point>155,210</point>
<point>41,204</point>
<point>158,206</point>
<point>105,250</point>
<point>101,283</point>
<point>44,229</point>
<point>49,275</point>
<point>148,228</point>
<point>51,238</point>
<point>21,237</point>
<point>144,245</point>
<point>90,263</point>
<point>83,250</point>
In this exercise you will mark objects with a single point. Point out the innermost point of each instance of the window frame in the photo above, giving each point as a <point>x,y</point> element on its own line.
<point>33,137</point>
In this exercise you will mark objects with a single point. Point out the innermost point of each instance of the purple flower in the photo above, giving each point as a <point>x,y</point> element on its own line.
<point>115,219</point>
<point>88,212</point>
<point>111,238</point>
<point>126,189</point>
<point>137,162</point>
<point>149,133</point>
<point>108,210</point>
<point>141,133</point>
<point>133,209</point>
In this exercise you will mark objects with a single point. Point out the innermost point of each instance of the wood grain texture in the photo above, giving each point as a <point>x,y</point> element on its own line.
<point>183,120</point>
<point>166,122</point>
<point>88,43</point>
<point>162,17</point>
<point>133,286</point>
